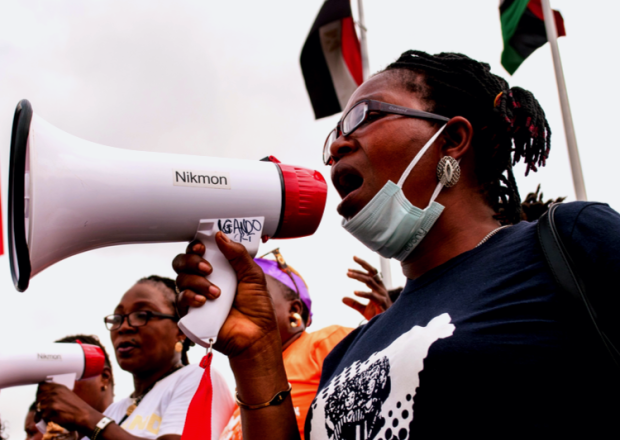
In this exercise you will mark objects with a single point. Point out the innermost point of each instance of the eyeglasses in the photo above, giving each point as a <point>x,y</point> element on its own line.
<point>134,319</point>
<point>360,112</point>
<point>283,266</point>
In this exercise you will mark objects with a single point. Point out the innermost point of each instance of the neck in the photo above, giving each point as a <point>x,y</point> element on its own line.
<point>107,401</point>
<point>292,339</point>
<point>462,225</point>
<point>144,381</point>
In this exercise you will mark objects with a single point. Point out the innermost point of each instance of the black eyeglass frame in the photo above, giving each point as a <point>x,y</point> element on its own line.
<point>374,106</point>
<point>149,315</point>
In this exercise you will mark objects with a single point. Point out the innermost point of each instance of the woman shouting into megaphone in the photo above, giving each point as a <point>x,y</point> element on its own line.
<point>482,342</point>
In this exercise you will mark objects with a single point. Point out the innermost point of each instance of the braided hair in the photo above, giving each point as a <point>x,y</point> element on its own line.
<point>533,206</point>
<point>168,287</point>
<point>509,124</point>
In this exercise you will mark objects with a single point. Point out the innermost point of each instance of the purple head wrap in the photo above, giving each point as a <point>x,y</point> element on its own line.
<point>271,268</point>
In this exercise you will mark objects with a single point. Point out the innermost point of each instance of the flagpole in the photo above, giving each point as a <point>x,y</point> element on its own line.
<point>363,42</point>
<point>386,271</point>
<point>569,128</point>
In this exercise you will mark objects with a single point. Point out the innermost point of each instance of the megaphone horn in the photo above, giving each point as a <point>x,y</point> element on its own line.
<point>61,363</point>
<point>68,195</point>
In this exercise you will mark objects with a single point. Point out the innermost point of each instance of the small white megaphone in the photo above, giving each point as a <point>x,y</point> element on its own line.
<point>68,196</point>
<point>62,363</point>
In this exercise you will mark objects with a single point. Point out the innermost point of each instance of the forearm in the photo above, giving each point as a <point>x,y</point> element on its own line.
<point>115,432</point>
<point>112,431</point>
<point>260,375</point>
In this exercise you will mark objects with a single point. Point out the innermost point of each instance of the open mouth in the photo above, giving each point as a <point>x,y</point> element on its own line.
<point>346,179</point>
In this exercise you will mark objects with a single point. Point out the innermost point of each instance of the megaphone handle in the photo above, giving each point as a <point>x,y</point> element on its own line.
<point>203,324</point>
<point>67,380</point>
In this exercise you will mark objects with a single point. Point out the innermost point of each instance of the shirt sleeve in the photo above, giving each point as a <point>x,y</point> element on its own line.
<point>173,418</point>
<point>591,234</point>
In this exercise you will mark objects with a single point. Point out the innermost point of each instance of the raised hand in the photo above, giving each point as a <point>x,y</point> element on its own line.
<point>251,318</point>
<point>249,336</point>
<point>378,297</point>
<point>60,405</point>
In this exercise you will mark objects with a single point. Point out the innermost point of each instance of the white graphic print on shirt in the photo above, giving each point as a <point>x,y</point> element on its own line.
<point>374,399</point>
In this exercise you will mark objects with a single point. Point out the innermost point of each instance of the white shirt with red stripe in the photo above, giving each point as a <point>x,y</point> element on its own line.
<point>163,409</point>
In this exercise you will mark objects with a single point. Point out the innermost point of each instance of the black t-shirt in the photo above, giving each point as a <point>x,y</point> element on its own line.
<point>484,346</point>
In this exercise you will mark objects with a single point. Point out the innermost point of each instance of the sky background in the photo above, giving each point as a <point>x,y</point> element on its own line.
<point>222,79</point>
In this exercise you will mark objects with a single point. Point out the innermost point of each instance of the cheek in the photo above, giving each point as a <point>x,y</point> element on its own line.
<point>386,160</point>
<point>158,338</point>
<point>281,311</point>
<point>87,389</point>
<point>281,315</point>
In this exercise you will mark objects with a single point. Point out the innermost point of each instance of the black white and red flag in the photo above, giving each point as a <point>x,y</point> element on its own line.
<point>331,59</point>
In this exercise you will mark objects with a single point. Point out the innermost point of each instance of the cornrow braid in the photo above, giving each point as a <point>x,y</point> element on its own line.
<point>168,287</point>
<point>509,124</point>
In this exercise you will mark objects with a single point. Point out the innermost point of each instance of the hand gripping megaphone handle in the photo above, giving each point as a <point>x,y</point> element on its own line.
<point>203,324</point>
<point>67,380</point>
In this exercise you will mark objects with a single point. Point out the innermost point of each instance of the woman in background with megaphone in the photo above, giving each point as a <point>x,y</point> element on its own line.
<point>149,344</point>
<point>482,341</point>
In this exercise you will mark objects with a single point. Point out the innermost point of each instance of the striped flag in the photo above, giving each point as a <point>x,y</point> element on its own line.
<point>523,30</point>
<point>331,59</point>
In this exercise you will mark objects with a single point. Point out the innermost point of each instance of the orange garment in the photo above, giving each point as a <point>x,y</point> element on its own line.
<point>303,362</point>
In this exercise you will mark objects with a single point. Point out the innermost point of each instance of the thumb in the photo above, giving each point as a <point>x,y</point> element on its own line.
<point>356,305</point>
<point>240,260</point>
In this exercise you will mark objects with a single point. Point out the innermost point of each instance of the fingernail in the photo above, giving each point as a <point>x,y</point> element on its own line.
<point>214,290</point>
<point>225,238</point>
<point>201,299</point>
<point>204,267</point>
<point>195,248</point>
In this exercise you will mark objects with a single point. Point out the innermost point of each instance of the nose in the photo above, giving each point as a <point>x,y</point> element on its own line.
<point>342,146</point>
<point>125,327</point>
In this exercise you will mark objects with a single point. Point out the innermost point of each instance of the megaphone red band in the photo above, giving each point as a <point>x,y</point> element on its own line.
<point>94,360</point>
<point>304,201</point>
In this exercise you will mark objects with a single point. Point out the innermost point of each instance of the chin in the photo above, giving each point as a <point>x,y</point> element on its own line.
<point>346,214</point>
<point>130,365</point>
<point>350,207</point>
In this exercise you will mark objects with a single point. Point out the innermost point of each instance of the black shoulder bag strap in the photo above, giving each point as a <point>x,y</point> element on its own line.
<point>568,279</point>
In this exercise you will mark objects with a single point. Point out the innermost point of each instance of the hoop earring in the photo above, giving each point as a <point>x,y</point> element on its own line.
<point>178,347</point>
<point>297,321</point>
<point>448,171</point>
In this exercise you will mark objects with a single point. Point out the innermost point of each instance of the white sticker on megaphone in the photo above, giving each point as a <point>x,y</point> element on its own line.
<point>242,230</point>
<point>245,230</point>
<point>202,179</point>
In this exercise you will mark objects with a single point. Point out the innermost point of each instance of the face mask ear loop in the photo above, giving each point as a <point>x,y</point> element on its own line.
<point>418,156</point>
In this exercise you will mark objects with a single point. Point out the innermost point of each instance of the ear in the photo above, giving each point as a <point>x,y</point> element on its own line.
<point>106,377</point>
<point>457,135</point>
<point>295,306</point>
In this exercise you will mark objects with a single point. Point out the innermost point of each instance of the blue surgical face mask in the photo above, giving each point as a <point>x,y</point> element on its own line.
<point>389,224</point>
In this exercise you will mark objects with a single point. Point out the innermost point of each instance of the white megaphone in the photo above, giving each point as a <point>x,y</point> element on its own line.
<point>68,195</point>
<point>62,363</point>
